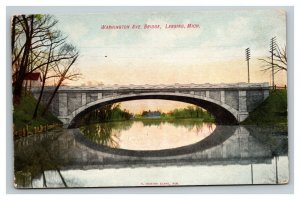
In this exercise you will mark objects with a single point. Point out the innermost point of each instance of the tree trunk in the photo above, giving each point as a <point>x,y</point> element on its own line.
<point>13,34</point>
<point>62,78</point>
<point>51,98</point>
<point>17,92</point>
<point>43,84</point>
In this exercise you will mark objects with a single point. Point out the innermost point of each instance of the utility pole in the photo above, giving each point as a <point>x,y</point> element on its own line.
<point>251,173</point>
<point>247,59</point>
<point>272,48</point>
<point>276,172</point>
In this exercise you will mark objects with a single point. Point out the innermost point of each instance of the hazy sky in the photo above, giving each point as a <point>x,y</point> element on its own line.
<point>213,53</point>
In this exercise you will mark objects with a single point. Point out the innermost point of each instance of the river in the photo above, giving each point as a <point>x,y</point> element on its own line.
<point>152,153</point>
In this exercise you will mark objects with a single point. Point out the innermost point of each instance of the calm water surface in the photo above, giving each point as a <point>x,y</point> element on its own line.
<point>149,134</point>
<point>152,153</point>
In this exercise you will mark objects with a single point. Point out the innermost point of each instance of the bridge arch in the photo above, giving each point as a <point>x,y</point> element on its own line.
<point>223,113</point>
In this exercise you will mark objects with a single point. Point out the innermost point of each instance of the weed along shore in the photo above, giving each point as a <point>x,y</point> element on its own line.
<point>30,130</point>
<point>23,123</point>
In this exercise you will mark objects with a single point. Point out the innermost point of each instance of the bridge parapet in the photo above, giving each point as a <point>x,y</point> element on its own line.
<point>177,86</point>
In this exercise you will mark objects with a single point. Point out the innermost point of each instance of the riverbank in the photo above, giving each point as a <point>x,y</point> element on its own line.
<point>273,111</point>
<point>23,123</point>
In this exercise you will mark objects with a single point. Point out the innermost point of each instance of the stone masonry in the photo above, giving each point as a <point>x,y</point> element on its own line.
<point>229,103</point>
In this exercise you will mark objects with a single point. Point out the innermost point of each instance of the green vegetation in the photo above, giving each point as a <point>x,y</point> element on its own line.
<point>190,112</point>
<point>23,112</point>
<point>273,111</point>
<point>113,113</point>
<point>102,133</point>
<point>107,113</point>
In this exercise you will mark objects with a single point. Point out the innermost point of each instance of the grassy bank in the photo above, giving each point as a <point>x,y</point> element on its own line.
<point>23,112</point>
<point>273,111</point>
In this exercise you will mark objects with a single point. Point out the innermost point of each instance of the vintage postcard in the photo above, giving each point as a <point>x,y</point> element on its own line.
<point>155,98</point>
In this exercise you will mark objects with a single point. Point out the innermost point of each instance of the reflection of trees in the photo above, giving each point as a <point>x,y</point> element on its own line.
<point>107,134</point>
<point>190,124</point>
<point>34,155</point>
<point>200,126</point>
<point>153,122</point>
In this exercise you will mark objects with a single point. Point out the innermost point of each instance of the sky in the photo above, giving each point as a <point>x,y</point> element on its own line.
<point>212,53</point>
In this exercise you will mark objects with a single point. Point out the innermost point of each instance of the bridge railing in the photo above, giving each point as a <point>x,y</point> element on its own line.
<point>278,87</point>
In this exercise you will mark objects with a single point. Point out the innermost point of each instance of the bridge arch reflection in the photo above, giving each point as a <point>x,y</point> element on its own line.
<point>219,135</point>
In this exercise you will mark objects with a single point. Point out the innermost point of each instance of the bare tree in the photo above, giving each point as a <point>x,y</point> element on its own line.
<point>279,60</point>
<point>22,31</point>
<point>62,71</point>
<point>55,40</point>
<point>38,46</point>
<point>28,41</point>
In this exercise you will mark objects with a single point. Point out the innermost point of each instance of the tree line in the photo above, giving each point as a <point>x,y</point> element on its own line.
<point>38,46</point>
<point>179,113</point>
<point>190,112</point>
<point>111,112</point>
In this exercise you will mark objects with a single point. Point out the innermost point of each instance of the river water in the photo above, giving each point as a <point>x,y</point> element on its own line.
<point>149,134</point>
<point>152,153</point>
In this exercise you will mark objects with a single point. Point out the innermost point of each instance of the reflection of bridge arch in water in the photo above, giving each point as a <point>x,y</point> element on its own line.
<point>227,144</point>
<point>71,148</point>
<point>68,150</point>
<point>218,136</point>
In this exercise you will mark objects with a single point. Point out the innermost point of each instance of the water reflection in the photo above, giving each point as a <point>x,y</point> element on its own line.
<point>36,154</point>
<point>148,134</point>
<point>107,134</point>
<point>231,155</point>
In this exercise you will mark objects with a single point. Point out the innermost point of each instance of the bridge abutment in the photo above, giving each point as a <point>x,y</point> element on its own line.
<point>243,112</point>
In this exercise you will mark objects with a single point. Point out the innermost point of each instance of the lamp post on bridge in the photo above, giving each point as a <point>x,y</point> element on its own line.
<point>247,59</point>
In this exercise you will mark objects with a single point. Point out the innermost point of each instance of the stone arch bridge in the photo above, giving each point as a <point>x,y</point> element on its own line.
<point>229,103</point>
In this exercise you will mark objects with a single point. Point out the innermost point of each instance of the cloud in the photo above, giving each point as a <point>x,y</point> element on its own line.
<point>139,56</point>
<point>75,33</point>
<point>231,34</point>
